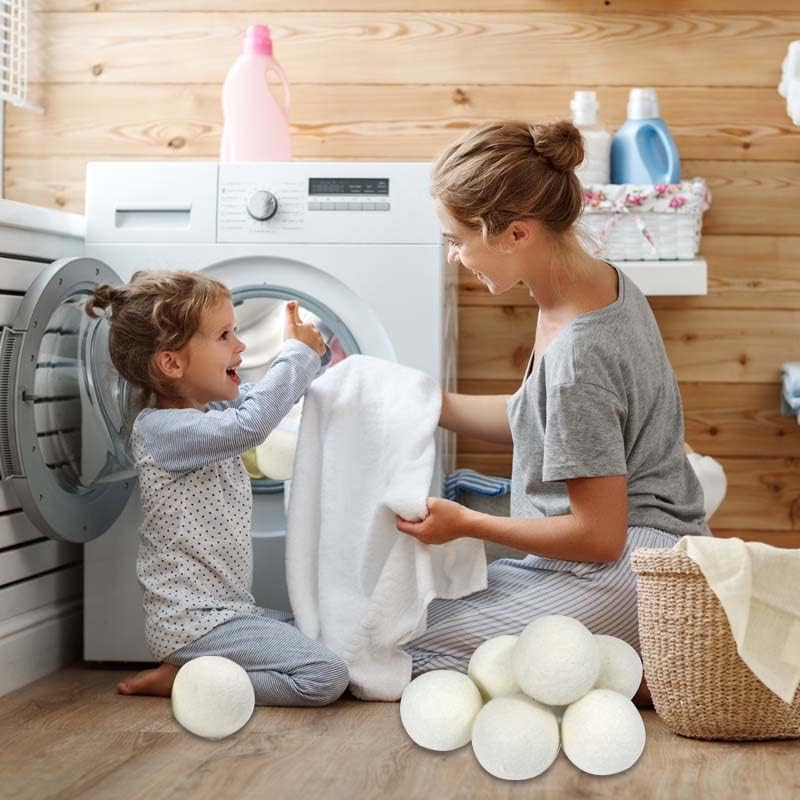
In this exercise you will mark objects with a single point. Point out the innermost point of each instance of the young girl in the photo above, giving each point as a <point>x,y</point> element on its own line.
<point>173,336</point>
<point>597,428</point>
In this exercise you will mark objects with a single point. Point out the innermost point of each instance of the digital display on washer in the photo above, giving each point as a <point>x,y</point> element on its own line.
<point>348,186</point>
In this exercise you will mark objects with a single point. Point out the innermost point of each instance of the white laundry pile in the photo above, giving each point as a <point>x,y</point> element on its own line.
<point>790,388</point>
<point>756,585</point>
<point>789,86</point>
<point>365,453</point>
<point>713,481</point>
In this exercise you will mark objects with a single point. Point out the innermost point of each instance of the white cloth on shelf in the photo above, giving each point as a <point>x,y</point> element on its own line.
<point>366,452</point>
<point>757,587</point>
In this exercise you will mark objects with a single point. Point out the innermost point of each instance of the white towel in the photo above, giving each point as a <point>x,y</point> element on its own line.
<point>757,587</point>
<point>366,452</point>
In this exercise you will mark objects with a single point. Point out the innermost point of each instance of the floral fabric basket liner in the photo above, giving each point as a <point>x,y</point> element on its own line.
<point>644,222</point>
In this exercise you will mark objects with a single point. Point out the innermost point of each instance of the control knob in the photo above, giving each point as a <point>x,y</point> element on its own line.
<point>262,205</point>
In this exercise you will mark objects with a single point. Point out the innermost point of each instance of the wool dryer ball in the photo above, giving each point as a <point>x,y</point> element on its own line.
<point>490,667</point>
<point>437,709</point>
<point>603,733</point>
<point>515,737</point>
<point>212,697</point>
<point>556,660</point>
<point>620,666</point>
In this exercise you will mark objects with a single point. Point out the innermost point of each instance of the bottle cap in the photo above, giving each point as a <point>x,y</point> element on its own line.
<point>643,104</point>
<point>584,107</point>
<point>257,41</point>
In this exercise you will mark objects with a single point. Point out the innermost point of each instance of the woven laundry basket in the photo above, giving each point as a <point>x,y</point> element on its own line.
<point>700,686</point>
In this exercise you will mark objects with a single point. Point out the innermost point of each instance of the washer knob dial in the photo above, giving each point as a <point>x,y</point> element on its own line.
<point>262,205</point>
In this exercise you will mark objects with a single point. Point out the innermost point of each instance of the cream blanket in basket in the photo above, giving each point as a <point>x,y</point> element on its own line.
<point>758,587</point>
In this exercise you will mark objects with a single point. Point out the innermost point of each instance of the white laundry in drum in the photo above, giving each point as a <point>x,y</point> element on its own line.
<point>275,455</point>
<point>260,322</point>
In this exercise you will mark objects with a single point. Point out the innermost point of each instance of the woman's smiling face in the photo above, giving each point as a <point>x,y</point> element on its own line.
<point>466,247</point>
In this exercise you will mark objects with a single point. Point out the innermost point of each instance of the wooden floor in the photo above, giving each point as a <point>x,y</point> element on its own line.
<point>70,736</point>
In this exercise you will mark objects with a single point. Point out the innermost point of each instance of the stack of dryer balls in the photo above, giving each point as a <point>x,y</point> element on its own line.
<point>516,691</point>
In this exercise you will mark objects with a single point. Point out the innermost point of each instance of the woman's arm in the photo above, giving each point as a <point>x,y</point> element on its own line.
<point>595,529</point>
<point>481,416</point>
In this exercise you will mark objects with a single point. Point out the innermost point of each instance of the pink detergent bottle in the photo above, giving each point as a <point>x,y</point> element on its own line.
<point>256,124</point>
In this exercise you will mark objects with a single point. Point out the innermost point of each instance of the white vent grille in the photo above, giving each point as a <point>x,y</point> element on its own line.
<point>14,37</point>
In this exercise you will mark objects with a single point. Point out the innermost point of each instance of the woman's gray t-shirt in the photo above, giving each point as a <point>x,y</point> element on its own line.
<point>603,400</point>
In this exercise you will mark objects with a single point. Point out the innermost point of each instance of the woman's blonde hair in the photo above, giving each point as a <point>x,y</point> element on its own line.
<point>504,171</point>
<point>156,311</point>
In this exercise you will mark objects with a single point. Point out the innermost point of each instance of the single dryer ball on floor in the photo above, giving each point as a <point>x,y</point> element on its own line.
<point>556,660</point>
<point>515,738</point>
<point>437,709</point>
<point>212,697</point>
<point>603,733</point>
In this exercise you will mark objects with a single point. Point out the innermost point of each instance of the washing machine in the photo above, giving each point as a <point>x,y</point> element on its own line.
<point>356,244</point>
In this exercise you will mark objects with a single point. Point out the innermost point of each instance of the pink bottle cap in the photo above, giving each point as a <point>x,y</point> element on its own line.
<point>257,41</point>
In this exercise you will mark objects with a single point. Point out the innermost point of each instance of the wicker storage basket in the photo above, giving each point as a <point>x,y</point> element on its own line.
<point>700,686</point>
<point>626,222</point>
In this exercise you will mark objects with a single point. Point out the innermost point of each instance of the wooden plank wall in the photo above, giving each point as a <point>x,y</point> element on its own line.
<point>396,79</point>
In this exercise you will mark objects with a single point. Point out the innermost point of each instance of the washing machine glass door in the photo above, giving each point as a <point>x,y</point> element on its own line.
<point>64,410</point>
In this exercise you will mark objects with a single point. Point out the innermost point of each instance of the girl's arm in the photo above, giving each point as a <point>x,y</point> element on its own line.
<point>181,440</point>
<point>595,529</point>
<point>246,388</point>
<point>480,416</point>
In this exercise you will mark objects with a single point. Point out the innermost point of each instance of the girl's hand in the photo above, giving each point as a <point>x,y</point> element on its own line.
<point>446,521</point>
<point>305,332</point>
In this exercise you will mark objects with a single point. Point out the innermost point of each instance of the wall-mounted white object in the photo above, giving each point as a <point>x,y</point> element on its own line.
<point>789,86</point>
<point>14,39</point>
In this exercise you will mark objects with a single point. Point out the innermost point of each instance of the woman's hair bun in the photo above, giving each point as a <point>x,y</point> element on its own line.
<point>102,297</point>
<point>559,143</point>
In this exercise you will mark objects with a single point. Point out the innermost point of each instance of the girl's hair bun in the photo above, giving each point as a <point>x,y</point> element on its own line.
<point>103,297</point>
<point>559,143</point>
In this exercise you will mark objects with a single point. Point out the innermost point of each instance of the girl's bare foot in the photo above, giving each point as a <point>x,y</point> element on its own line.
<point>157,682</point>
<point>642,697</point>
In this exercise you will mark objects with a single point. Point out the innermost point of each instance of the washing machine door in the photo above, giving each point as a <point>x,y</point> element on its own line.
<point>64,410</point>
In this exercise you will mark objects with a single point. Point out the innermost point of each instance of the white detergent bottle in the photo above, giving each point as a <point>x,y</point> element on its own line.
<point>596,165</point>
<point>256,123</point>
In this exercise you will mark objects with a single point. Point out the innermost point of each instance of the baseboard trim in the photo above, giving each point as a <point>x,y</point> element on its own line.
<point>39,642</point>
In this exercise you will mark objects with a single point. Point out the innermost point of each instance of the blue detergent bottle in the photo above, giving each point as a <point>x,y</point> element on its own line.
<point>643,150</point>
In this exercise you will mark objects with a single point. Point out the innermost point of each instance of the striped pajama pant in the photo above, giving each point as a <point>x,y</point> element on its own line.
<point>601,596</point>
<point>285,667</point>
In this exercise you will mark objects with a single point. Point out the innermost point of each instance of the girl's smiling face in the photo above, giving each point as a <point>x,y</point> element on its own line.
<point>205,369</point>
<point>466,247</point>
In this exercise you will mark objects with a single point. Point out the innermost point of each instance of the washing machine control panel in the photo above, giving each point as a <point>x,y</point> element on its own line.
<point>348,194</point>
<point>325,203</point>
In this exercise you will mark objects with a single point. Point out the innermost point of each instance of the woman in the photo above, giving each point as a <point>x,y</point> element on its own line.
<point>599,466</point>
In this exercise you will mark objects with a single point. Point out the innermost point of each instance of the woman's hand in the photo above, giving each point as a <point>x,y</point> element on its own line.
<point>446,521</point>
